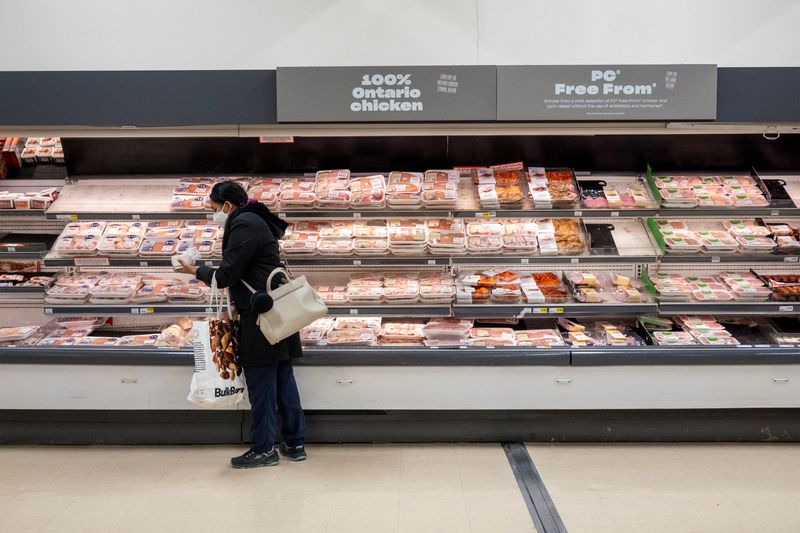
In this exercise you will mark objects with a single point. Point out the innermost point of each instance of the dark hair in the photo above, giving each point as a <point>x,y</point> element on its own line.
<point>229,191</point>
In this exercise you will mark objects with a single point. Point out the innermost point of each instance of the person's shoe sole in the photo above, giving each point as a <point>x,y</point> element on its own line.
<point>256,465</point>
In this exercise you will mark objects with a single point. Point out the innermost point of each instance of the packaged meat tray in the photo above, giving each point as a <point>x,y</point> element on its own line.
<point>337,230</point>
<point>121,291</point>
<point>77,244</point>
<point>185,188</point>
<point>478,228</point>
<point>364,294</point>
<point>484,245</point>
<point>200,233</point>
<point>333,199</point>
<point>293,198</point>
<point>151,294</point>
<point>122,245</point>
<point>368,192</point>
<point>752,244</point>
<point>84,228</point>
<point>353,337</point>
<point>17,333</point>
<point>366,322</point>
<point>370,229</point>
<point>163,224</point>
<point>166,232</point>
<point>158,247</point>
<point>447,328</point>
<point>370,247</point>
<point>538,337</point>
<point>787,245</point>
<point>402,331</point>
<point>189,203</point>
<point>437,293</point>
<point>335,246</point>
<point>136,229</point>
<point>139,340</point>
<point>407,236</point>
<point>192,290</point>
<point>65,295</point>
<point>747,227</point>
<point>97,341</point>
<point>299,247</point>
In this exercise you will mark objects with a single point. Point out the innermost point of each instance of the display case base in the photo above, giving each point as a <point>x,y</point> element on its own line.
<point>231,427</point>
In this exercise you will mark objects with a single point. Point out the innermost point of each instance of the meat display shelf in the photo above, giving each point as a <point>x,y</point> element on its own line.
<point>6,255</point>
<point>557,213</point>
<point>367,261</point>
<point>312,356</point>
<point>21,290</point>
<point>760,354</point>
<point>553,310</point>
<point>144,309</point>
<point>729,308</point>
<point>699,212</point>
<point>553,259</point>
<point>415,310</point>
<point>421,356</point>
<point>54,261</point>
<point>107,215</point>
<point>729,258</point>
<point>26,213</point>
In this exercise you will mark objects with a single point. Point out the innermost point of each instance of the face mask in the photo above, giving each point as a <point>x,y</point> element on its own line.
<point>220,217</point>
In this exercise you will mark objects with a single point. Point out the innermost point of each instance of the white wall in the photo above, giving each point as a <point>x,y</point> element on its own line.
<point>260,34</point>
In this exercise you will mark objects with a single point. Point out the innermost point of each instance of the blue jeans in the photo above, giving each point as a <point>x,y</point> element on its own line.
<point>273,391</point>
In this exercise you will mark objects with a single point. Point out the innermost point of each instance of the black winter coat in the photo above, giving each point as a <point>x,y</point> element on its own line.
<point>250,252</point>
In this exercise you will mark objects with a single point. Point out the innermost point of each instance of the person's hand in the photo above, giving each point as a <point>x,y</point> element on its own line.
<point>186,268</point>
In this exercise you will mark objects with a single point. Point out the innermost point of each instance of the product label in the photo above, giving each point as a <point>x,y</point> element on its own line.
<point>384,94</point>
<point>607,92</point>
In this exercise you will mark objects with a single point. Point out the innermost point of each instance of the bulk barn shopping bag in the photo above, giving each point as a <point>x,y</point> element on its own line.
<point>217,380</point>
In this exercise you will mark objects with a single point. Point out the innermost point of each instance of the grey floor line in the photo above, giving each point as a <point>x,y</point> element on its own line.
<point>540,505</point>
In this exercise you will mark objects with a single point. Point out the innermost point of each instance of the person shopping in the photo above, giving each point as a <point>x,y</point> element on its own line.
<point>249,254</point>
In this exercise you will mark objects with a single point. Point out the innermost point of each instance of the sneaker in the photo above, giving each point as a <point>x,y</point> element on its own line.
<point>293,453</point>
<point>251,459</point>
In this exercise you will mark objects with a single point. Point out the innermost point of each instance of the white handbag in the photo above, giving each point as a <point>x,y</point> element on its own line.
<point>295,305</point>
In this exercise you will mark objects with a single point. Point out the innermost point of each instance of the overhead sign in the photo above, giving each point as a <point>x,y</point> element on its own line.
<point>387,94</point>
<point>607,92</point>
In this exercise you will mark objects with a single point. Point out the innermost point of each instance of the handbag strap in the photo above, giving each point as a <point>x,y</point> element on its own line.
<point>278,270</point>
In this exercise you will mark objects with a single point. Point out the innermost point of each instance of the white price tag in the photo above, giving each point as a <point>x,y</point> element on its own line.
<point>209,310</point>
<point>209,263</point>
<point>463,347</point>
<point>489,347</point>
<point>354,311</point>
<point>67,217</point>
<point>91,261</point>
<point>775,212</point>
<point>524,261</point>
<point>356,215</point>
<point>525,311</point>
<point>143,263</point>
<point>786,308</point>
<point>281,215</point>
<point>357,262</point>
<point>11,249</point>
<point>48,310</point>
<point>575,260</point>
<point>486,214</point>
<point>790,259</point>
<point>433,347</point>
<point>136,216</point>
<point>431,261</point>
<point>715,259</point>
<point>761,346</point>
<point>578,213</point>
<point>614,213</point>
<point>210,216</point>
<point>743,346</point>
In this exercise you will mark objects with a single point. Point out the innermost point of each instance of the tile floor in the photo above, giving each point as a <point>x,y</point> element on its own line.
<point>673,487</point>
<point>347,488</point>
<point>399,488</point>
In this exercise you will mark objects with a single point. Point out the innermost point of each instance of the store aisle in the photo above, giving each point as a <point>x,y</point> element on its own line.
<point>673,487</point>
<point>372,488</point>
